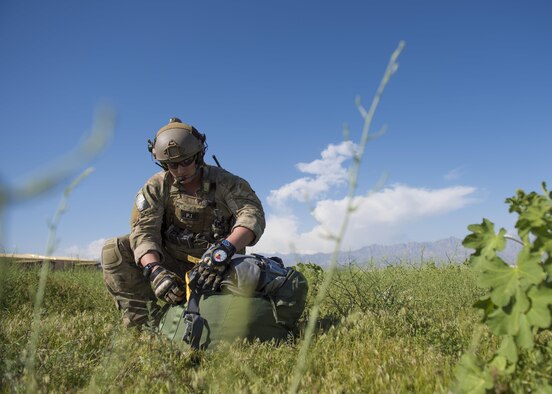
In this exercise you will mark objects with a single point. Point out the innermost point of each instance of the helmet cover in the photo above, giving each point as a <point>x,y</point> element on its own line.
<point>177,141</point>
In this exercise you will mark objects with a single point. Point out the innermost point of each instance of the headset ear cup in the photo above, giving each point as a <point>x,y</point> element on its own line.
<point>198,135</point>
<point>203,151</point>
<point>203,139</point>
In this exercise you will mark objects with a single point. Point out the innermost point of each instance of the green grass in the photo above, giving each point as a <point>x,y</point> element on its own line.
<point>393,330</point>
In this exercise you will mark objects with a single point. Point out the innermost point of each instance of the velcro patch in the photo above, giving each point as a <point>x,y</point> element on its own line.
<point>141,202</point>
<point>194,216</point>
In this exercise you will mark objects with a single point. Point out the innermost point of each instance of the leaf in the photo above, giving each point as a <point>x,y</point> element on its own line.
<point>548,267</point>
<point>471,377</point>
<point>504,281</point>
<point>539,313</point>
<point>501,278</point>
<point>502,323</point>
<point>529,267</point>
<point>502,366</point>
<point>500,363</point>
<point>522,301</point>
<point>534,214</point>
<point>506,320</point>
<point>508,349</point>
<point>484,240</point>
<point>479,262</point>
<point>524,339</point>
<point>486,304</point>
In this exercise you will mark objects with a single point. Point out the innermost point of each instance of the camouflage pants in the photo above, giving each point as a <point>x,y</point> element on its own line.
<point>127,285</point>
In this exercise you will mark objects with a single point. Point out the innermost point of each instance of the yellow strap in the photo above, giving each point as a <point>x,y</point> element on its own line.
<point>193,259</point>
<point>188,289</point>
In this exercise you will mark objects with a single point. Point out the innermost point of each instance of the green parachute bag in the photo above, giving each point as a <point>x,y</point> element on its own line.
<point>260,298</point>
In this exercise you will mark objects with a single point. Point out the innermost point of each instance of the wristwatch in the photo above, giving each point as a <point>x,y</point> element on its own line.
<point>148,268</point>
<point>222,254</point>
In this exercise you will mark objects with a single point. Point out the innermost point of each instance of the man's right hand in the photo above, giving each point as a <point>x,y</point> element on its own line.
<point>168,286</point>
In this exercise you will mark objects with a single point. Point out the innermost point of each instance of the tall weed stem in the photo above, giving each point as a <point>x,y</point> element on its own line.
<point>302,360</point>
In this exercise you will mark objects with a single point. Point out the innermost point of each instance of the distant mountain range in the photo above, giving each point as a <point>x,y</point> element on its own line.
<point>448,250</point>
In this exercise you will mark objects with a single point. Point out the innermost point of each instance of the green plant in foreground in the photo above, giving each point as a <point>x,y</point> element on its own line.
<point>42,183</point>
<point>516,305</point>
<point>54,175</point>
<point>41,288</point>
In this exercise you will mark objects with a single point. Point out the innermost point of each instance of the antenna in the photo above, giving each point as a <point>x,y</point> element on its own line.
<point>216,161</point>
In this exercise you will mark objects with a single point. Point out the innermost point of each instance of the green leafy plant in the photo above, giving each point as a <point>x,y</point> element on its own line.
<point>516,305</point>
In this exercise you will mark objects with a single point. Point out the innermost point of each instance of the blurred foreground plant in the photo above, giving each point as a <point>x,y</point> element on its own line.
<point>45,181</point>
<point>43,276</point>
<point>63,169</point>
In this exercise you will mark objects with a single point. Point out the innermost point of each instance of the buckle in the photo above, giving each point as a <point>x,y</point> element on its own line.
<point>189,321</point>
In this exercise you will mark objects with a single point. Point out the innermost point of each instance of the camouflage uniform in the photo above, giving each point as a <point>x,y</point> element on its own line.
<point>179,227</point>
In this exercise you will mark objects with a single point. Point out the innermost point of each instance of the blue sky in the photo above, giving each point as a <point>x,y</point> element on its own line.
<point>271,84</point>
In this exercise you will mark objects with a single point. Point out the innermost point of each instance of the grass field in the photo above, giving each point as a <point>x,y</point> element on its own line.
<point>394,330</point>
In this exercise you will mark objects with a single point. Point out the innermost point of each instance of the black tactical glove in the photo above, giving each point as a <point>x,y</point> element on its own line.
<point>213,264</point>
<point>166,285</point>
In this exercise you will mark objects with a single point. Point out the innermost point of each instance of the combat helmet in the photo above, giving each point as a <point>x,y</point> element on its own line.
<point>177,141</point>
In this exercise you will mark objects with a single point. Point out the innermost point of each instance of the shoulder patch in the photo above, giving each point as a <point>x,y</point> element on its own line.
<point>141,202</point>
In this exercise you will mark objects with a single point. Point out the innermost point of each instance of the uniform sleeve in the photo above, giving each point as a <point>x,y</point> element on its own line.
<point>244,204</point>
<point>147,218</point>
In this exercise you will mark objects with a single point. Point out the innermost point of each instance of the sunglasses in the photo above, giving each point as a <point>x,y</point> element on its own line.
<point>185,163</point>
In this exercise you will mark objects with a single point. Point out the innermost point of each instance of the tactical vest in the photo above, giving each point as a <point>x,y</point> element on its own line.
<point>192,223</point>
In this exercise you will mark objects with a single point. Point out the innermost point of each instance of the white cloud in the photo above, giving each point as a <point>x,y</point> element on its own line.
<point>90,251</point>
<point>380,217</point>
<point>326,173</point>
<point>454,174</point>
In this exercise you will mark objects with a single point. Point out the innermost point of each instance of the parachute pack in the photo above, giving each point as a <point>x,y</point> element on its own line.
<point>259,298</point>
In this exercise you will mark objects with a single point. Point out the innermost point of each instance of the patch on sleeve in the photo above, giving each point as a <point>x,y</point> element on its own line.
<point>141,202</point>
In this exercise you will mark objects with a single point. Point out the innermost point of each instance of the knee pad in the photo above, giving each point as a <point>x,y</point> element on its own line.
<point>111,255</point>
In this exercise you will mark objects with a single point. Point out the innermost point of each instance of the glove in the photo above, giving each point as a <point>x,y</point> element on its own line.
<point>167,286</point>
<point>213,263</point>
